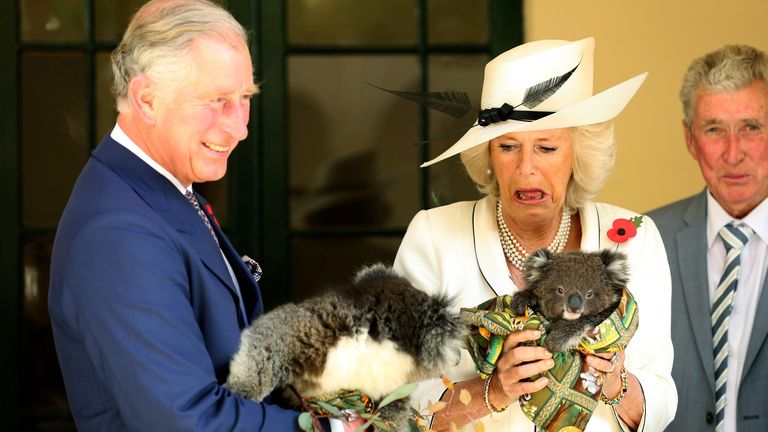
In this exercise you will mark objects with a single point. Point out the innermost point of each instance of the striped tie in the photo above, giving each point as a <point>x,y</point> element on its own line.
<point>734,239</point>
<point>196,204</point>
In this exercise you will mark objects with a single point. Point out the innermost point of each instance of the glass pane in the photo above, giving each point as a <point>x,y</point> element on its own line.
<point>353,148</point>
<point>326,262</point>
<point>52,20</point>
<point>53,135</point>
<point>105,103</point>
<point>458,21</point>
<point>352,22</point>
<point>464,73</point>
<point>112,17</point>
<point>43,389</point>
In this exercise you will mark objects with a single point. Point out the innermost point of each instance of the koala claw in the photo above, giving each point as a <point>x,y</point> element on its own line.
<point>518,304</point>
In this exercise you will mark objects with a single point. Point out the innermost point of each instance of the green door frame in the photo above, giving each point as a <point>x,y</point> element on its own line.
<point>10,216</point>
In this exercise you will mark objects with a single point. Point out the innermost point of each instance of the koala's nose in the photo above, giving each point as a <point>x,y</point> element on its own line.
<point>574,303</point>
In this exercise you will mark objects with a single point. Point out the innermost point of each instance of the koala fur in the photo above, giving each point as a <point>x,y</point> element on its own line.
<point>374,336</point>
<point>575,291</point>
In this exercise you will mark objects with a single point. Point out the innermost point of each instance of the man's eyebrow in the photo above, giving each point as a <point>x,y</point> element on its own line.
<point>711,121</point>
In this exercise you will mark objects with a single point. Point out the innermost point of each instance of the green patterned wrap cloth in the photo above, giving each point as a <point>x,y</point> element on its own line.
<point>564,404</point>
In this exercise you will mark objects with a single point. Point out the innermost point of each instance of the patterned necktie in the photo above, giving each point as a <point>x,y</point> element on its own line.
<point>734,239</point>
<point>196,204</point>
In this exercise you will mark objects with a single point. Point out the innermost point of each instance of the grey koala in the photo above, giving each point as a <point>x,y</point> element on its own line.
<point>575,291</point>
<point>373,335</point>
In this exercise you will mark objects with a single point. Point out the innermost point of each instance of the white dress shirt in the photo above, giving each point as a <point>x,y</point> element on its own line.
<point>754,263</point>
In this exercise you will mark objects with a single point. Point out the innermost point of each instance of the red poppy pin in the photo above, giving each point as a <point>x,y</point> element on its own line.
<point>209,210</point>
<point>624,229</point>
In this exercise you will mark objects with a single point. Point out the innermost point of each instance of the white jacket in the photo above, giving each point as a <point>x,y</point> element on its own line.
<point>455,250</point>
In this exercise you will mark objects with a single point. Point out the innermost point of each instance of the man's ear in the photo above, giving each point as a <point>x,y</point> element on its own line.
<point>690,140</point>
<point>143,97</point>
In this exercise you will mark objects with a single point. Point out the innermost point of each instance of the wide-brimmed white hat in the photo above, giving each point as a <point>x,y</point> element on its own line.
<point>541,85</point>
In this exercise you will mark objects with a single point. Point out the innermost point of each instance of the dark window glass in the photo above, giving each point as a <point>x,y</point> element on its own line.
<point>58,21</point>
<point>105,103</point>
<point>112,17</point>
<point>53,133</point>
<point>353,148</point>
<point>458,21</point>
<point>319,263</point>
<point>43,389</point>
<point>449,181</point>
<point>352,22</point>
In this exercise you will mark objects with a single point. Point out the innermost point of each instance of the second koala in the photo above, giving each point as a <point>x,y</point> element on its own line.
<point>575,291</point>
<point>373,335</point>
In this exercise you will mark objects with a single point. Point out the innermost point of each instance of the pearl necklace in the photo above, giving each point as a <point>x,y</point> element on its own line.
<point>516,253</point>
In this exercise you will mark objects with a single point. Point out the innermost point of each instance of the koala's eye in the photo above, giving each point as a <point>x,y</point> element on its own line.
<point>560,290</point>
<point>589,294</point>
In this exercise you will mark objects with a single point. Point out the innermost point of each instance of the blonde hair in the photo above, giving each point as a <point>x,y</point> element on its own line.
<point>731,67</point>
<point>158,40</point>
<point>594,154</point>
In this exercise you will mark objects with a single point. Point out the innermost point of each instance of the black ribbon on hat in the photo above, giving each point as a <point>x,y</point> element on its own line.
<point>507,112</point>
<point>534,95</point>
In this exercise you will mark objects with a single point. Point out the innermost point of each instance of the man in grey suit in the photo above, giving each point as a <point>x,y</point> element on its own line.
<point>717,246</point>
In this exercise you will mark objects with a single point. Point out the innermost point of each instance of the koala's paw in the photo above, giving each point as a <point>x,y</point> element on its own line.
<point>561,338</point>
<point>519,303</point>
<point>251,390</point>
<point>554,344</point>
<point>252,376</point>
<point>397,414</point>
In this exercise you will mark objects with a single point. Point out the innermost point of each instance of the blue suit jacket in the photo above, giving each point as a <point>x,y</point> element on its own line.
<point>683,227</point>
<point>144,312</point>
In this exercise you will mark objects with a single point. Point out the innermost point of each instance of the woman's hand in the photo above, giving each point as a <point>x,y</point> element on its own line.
<point>632,406</point>
<point>610,364</point>
<point>517,363</point>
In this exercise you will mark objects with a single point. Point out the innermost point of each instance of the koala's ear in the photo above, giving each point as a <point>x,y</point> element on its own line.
<point>616,268</point>
<point>537,265</point>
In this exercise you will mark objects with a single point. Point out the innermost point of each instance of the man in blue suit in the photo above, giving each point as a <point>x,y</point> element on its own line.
<point>717,247</point>
<point>148,297</point>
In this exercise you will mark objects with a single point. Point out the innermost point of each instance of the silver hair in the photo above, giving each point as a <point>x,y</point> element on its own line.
<point>158,40</point>
<point>731,67</point>
<point>594,154</point>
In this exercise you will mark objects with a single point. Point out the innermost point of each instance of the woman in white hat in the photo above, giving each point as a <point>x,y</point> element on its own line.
<point>542,148</point>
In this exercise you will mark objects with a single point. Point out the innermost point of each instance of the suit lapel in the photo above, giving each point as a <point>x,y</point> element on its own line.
<point>691,247</point>
<point>168,203</point>
<point>249,291</point>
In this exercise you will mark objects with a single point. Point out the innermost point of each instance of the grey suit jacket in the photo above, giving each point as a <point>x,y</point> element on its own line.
<point>683,228</point>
